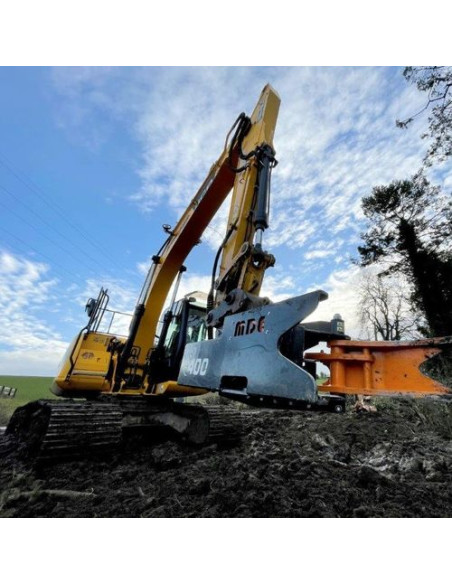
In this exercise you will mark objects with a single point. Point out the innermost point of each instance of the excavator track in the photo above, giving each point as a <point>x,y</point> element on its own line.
<point>197,424</point>
<point>219,424</point>
<point>52,430</point>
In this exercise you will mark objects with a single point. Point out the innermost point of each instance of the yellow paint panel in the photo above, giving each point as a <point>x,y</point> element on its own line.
<point>173,389</point>
<point>87,362</point>
<point>92,362</point>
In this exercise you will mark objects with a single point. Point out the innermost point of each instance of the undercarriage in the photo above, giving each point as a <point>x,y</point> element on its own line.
<point>48,430</point>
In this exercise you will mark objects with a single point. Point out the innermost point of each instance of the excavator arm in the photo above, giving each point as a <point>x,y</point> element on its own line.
<point>243,261</point>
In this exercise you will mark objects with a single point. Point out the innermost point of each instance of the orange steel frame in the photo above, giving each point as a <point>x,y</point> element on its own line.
<point>381,367</point>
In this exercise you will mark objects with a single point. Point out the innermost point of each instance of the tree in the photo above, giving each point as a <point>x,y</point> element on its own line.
<point>437,82</point>
<point>410,232</point>
<point>384,308</point>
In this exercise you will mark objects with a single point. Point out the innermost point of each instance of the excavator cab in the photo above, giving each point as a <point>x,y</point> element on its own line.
<point>183,323</point>
<point>189,316</point>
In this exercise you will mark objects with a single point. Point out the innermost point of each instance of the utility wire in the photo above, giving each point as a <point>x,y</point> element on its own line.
<point>28,247</point>
<point>45,236</point>
<point>28,182</point>
<point>51,227</point>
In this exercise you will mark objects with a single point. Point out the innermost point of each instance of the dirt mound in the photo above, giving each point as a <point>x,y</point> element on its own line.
<point>393,463</point>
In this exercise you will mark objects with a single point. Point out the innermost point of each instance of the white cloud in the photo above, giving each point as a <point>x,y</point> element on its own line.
<point>278,287</point>
<point>122,299</point>
<point>27,341</point>
<point>42,360</point>
<point>342,287</point>
<point>192,283</point>
<point>336,137</point>
<point>29,345</point>
<point>123,295</point>
<point>323,249</point>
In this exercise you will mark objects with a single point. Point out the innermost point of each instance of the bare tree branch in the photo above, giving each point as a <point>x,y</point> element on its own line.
<point>437,81</point>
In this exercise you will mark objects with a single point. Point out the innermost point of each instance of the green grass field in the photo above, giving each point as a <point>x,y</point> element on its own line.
<point>28,389</point>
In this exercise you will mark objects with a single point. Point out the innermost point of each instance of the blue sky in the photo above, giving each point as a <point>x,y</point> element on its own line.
<point>94,160</point>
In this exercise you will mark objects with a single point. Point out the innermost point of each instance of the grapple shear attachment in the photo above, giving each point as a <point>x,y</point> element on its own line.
<point>245,360</point>
<point>384,367</point>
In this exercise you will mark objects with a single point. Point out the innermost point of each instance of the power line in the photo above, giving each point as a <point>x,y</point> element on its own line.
<point>51,227</point>
<point>28,246</point>
<point>215,230</point>
<point>31,185</point>
<point>45,236</point>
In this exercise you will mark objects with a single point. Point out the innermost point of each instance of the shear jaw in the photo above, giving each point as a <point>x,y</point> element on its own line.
<point>245,359</point>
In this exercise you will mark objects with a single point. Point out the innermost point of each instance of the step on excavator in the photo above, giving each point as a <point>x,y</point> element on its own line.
<point>231,341</point>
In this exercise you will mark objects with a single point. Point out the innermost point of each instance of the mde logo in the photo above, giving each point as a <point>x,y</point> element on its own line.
<point>252,325</point>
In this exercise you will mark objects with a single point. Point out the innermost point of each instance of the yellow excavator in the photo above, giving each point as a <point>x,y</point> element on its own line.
<point>231,341</point>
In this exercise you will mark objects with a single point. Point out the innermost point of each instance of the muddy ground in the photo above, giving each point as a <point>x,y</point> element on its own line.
<point>393,463</point>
